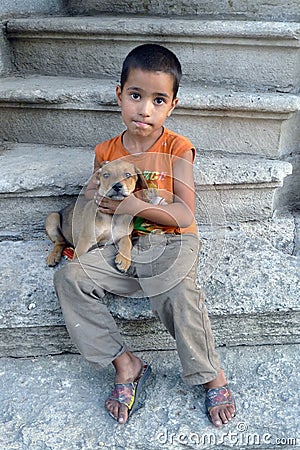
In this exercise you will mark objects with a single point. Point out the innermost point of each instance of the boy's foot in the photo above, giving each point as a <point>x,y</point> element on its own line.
<point>219,401</point>
<point>131,374</point>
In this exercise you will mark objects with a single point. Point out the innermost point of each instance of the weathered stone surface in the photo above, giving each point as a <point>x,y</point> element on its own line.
<point>232,188</point>
<point>5,62</point>
<point>149,334</point>
<point>220,168</point>
<point>33,170</point>
<point>297,232</point>
<point>41,171</point>
<point>17,8</point>
<point>291,190</point>
<point>251,275</point>
<point>58,403</point>
<point>219,52</point>
<point>214,9</point>
<point>69,90</point>
<point>256,301</point>
<point>36,179</point>
<point>279,231</point>
<point>24,217</point>
<point>76,112</point>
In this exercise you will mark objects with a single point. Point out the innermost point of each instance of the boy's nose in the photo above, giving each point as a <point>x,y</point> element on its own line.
<point>145,108</point>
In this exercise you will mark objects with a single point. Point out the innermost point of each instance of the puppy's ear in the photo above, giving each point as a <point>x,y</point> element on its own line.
<point>141,182</point>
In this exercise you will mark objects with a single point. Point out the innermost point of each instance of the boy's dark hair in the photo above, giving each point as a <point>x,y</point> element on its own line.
<point>152,58</point>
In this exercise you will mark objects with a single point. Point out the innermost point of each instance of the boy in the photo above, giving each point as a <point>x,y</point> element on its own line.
<point>165,246</point>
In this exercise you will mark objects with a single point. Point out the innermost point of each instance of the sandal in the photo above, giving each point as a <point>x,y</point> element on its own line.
<point>217,397</point>
<point>128,393</point>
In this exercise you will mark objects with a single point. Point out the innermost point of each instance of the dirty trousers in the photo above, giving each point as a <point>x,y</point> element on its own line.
<point>164,268</point>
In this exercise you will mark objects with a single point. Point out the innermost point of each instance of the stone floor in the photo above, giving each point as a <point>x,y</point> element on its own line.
<point>56,403</point>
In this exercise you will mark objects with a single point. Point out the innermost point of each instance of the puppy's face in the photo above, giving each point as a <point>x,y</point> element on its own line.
<point>117,179</point>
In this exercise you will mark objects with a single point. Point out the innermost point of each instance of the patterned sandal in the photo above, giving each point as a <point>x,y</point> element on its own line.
<point>128,393</point>
<point>217,397</point>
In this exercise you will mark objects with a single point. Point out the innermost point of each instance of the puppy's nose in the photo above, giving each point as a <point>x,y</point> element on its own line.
<point>117,187</point>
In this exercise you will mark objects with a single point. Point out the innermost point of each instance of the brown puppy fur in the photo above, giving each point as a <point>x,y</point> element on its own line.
<point>83,226</point>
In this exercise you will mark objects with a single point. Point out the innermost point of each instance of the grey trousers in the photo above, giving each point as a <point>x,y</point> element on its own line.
<point>164,268</point>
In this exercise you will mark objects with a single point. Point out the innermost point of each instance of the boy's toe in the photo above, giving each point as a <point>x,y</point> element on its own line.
<point>122,414</point>
<point>215,417</point>
<point>220,405</point>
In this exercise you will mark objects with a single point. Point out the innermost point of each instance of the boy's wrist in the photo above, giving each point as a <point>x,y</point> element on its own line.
<point>90,194</point>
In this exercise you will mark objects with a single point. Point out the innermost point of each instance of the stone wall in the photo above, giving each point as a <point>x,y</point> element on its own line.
<point>10,8</point>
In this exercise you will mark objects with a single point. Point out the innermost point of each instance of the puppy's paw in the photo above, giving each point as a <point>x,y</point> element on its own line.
<point>53,259</point>
<point>122,263</point>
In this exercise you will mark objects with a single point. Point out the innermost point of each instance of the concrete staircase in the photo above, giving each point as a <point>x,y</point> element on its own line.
<point>239,104</point>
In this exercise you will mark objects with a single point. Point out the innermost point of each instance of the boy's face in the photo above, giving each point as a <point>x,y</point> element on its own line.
<point>146,101</point>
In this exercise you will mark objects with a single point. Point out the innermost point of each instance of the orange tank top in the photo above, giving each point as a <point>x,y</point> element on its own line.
<point>156,164</point>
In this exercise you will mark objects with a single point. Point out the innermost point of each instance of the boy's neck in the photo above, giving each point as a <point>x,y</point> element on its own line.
<point>139,144</point>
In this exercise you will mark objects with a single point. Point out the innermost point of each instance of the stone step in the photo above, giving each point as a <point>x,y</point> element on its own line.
<point>36,179</point>
<point>212,9</point>
<point>261,55</point>
<point>19,8</point>
<point>252,291</point>
<point>82,112</point>
<point>48,403</point>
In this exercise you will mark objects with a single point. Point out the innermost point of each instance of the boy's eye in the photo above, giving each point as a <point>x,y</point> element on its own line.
<point>135,96</point>
<point>159,100</point>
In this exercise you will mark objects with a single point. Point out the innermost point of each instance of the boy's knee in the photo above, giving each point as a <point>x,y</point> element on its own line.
<point>72,281</point>
<point>65,275</point>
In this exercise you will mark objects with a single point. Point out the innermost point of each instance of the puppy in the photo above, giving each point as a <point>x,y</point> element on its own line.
<point>82,225</point>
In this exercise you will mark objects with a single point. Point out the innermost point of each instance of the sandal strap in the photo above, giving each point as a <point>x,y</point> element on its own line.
<point>218,396</point>
<point>124,393</point>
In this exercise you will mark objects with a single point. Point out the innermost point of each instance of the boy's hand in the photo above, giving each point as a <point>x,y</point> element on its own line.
<point>110,206</point>
<point>102,204</point>
<point>106,205</point>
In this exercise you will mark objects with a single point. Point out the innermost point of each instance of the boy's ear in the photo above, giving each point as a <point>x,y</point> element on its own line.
<point>119,94</point>
<point>174,104</point>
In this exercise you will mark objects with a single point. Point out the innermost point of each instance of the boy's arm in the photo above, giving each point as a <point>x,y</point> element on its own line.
<point>180,213</point>
<point>184,187</point>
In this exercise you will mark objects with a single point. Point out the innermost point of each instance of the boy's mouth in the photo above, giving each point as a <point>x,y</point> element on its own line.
<point>141,124</point>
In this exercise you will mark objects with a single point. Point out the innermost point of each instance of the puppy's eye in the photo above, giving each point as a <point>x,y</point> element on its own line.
<point>127,175</point>
<point>105,175</point>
